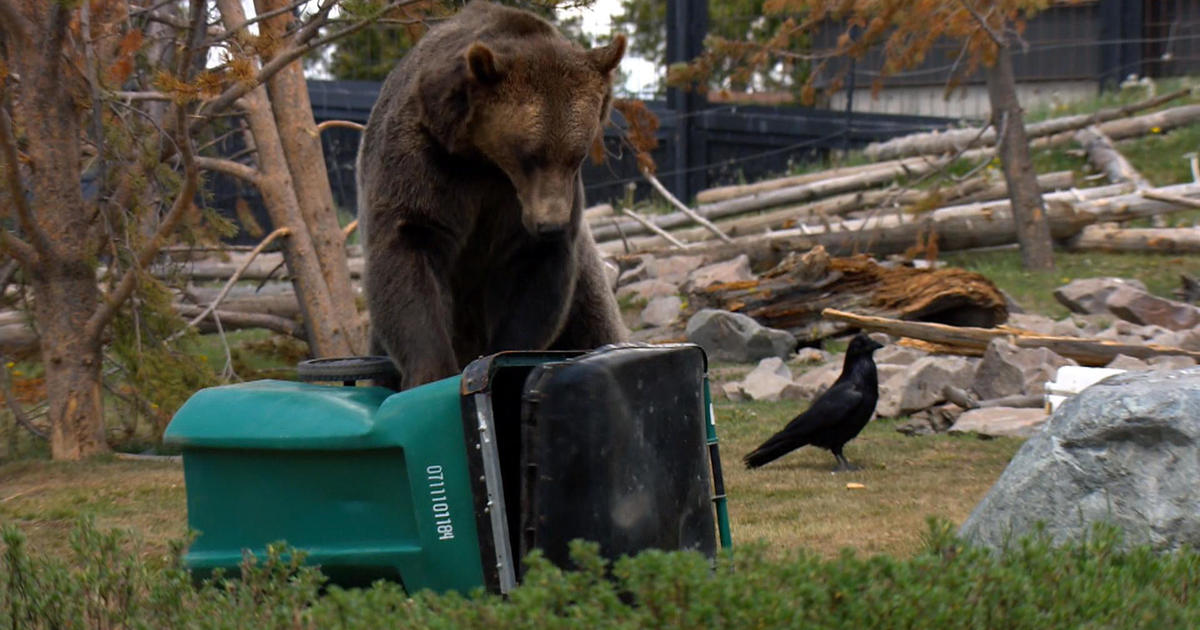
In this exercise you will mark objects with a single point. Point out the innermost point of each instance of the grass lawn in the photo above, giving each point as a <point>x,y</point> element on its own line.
<point>792,503</point>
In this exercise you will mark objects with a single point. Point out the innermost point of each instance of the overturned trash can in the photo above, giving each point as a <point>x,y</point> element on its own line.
<point>447,486</point>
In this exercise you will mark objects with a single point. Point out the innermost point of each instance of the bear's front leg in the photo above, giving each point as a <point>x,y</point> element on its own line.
<point>531,300</point>
<point>411,306</point>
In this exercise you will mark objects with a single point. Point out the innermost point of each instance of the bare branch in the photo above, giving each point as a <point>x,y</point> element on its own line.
<point>343,124</point>
<point>666,194</point>
<point>100,319</point>
<point>997,38</point>
<point>238,274</point>
<point>18,413</point>
<point>300,46</point>
<point>228,167</point>
<point>258,18</point>
<point>26,253</point>
<point>142,96</point>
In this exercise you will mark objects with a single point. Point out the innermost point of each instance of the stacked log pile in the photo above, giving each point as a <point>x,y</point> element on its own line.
<point>887,207</point>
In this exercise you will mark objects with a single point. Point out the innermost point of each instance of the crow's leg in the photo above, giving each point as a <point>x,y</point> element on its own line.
<point>843,465</point>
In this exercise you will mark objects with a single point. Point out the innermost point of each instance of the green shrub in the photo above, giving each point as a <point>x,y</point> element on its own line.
<point>1032,584</point>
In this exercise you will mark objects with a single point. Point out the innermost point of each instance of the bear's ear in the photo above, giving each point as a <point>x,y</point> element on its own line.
<point>481,64</point>
<point>607,57</point>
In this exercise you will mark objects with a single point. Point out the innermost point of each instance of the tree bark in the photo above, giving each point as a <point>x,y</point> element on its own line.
<point>1029,212</point>
<point>62,273</point>
<point>328,335</point>
<point>1109,238</point>
<point>306,161</point>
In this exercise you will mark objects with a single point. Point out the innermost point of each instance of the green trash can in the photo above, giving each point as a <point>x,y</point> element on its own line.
<point>448,485</point>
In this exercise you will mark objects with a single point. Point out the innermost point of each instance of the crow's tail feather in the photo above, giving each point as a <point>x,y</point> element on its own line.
<point>774,448</point>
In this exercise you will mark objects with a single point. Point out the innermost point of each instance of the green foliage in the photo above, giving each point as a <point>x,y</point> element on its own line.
<point>370,54</point>
<point>1097,583</point>
<point>730,21</point>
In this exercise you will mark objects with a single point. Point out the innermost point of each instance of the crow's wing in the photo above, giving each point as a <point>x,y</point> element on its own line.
<point>826,412</point>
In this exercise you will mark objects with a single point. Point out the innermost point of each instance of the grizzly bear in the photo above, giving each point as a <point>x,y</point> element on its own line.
<point>470,196</point>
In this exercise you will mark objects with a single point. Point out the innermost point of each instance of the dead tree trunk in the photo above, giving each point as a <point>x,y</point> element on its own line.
<point>306,163</point>
<point>328,334</point>
<point>1029,212</point>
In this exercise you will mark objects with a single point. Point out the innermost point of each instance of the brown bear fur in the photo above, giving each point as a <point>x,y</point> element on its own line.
<point>470,197</point>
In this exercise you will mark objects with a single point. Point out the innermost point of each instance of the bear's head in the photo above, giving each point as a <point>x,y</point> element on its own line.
<point>532,107</point>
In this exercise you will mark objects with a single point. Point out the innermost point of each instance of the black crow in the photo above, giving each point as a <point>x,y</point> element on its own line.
<point>836,416</point>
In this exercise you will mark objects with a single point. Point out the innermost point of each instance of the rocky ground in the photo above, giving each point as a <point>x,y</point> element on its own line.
<point>1001,392</point>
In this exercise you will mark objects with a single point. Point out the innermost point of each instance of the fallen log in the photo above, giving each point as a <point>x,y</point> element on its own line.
<point>938,142</point>
<point>957,227</point>
<point>1107,159</point>
<point>1111,238</point>
<point>722,193</point>
<point>878,175</point>
<point>265,266</point>
<point>980,188</point>
<point>974,340</point>
<point>793,295</point>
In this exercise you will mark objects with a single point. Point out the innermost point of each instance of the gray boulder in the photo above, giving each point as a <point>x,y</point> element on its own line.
<point>1090,295</point>
<point>1123,451</point>
<point>734,270</point>
<point>735,337</point>
<point>814,382</point>
<point>1001,421</point>
<point>1140,307</point>
<point>1171,362</point>
<point>674,269</point>
<point>1007,370</point>
<point>662,311</point>
<point>897,355</point>
<point>1126,362</point>
<point>921,385</point>
<point>1039,324</point>
<point>646,290</point>
<point>767,380</point>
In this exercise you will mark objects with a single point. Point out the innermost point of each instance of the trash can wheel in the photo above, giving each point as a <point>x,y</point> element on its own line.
<point>349,370</point>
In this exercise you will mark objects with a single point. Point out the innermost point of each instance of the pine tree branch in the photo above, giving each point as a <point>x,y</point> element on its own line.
<point>183,201</point>
<point>997,38</point>
<point>302,44</point>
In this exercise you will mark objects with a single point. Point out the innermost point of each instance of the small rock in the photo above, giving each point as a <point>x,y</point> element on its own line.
<point>1001,421</point>
<point>1140,307</point>
<point>897,355</point>
<point>810,356</point>
<point>735,270</point>
<point>1065,328</point>
<point>729,336</point>
<point>1185,339</point>
<point>1039,324</point>
<point>767,380</point>
<point>674,269</point>
<point>1090,295</point>
<point>662,311</point>
<point>936,419</point>
<point>814,382</point>
<point>1010,304</point>
<point>921,386</point>
<point>647,290</point>
<point>733,391</point>
<point>1171,362</point>
<point>1007,370</point>
<point>1126,362</point>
